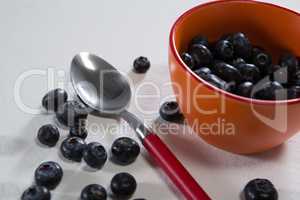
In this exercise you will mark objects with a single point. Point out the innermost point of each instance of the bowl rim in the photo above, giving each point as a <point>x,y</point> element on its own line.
<point>174,51</point>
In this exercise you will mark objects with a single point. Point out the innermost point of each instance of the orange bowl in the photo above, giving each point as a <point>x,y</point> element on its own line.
<point>228,121</point>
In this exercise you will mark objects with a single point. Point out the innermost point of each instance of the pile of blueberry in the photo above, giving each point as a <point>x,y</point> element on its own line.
<point>73,115</point>
<point>124,150</point>
<point>233,64</point>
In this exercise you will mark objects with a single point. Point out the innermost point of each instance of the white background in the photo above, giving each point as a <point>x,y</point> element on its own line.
<point>38,34</point>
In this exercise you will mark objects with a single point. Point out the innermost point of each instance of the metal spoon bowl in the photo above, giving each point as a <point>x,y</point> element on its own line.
<point>99,85</point>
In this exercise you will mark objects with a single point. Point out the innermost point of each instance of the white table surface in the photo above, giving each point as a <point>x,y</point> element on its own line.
<point>45,35</point>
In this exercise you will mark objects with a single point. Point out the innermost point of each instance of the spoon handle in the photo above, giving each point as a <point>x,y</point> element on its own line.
<point>181,178</point>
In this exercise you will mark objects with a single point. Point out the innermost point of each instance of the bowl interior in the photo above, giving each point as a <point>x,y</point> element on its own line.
<point>274,28</point>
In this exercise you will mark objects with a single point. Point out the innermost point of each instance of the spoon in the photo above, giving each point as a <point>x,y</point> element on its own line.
<point>103,89</point>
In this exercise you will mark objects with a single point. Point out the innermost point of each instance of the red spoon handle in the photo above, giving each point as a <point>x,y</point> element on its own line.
<point>181,178</point>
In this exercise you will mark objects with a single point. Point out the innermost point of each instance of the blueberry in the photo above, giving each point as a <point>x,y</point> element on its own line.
<point>203,71</point>
<point>271,69</point>
<point>227,72</point>
<point>281,75</point>
<point>262,60</point>
<point>53,99</point>
<point>188,60</point>
<point>236,62</point>
<point>48,135</point>
<point>48,174</point>
<point>201,55</point>
<point>124,150</point>
<point>256,50</point>
<point>80,132</point>
<point>294,79</point>
<point>245,89</point>
<point>170,111</point>
<point>216,81</point>
<point>297,75</point>
<point>230,87</point>
<point>290,61</point>
<point>270,90</point>
<point>72,148</point>
<point>249,72</point>
<point>95,155</point>
<point>71,113</point>
<point>36,193</point>
<point>242,46</point>
<point>141,64</point>
<point>199,40</point>
<point>224,50</point>
<point>296,82</point>
<point>293,92</point>
<point>123,185</point>
<point>93,192</point>
<point>260,189</point>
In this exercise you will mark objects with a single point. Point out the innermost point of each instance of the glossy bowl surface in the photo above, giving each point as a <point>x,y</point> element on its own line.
<point>227,121</point>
